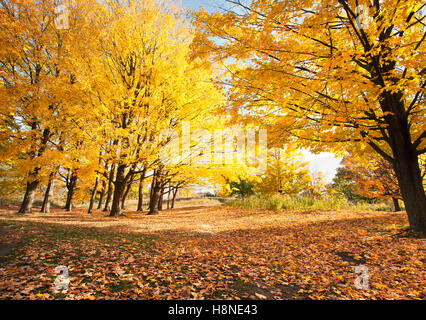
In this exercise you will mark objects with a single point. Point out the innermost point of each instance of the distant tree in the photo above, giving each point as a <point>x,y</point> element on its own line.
<point>286,172</point>
<point>242,188</point>
<point>344,184</point>
<point>374,177</point>
<point>317,186</point>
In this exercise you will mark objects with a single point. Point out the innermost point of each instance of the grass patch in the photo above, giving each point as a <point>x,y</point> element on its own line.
<point>304,203</point>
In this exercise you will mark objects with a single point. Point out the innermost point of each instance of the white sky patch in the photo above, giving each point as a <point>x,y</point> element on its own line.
<point>324,162</point>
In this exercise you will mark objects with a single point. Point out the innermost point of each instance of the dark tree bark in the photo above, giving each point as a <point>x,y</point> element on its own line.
<point>406,162</point>
<point>155,195</point>
<point>175,191</point>
<point>71,184</point>
<point>153,207</point>
<point>102,195</point>
<point>140,198</point>
<point>410,182</point>
<point>126,193</point>
<point>140,191</point>
<point>94,192</point>
<point>151,190</point>
<point>45,208</point>
<point>396,204</point>
<point>27,203</point>
<point>168,196</point>
<point>119,189</point>
<point>110,188</point>
<point>160,199</point>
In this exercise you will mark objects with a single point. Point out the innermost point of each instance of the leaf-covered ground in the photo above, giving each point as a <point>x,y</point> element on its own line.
<point>212,253</point>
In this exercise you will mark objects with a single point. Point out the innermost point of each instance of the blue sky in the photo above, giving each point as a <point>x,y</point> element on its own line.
<point>326,163</point>
<point>195,4</point>
<point>210,5</point>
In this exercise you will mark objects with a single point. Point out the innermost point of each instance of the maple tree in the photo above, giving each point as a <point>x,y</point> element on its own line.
<point>373,178</point>
<point>287,173</point>
<point>45,128</point>
<point>35,88</point>
<point>241,188</point>
<point>145,83</point>
<point>333,75</point>
<point>344,185</point>
<point>90,110</point>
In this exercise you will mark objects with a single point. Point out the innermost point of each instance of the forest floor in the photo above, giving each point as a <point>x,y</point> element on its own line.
<point>211,253</point>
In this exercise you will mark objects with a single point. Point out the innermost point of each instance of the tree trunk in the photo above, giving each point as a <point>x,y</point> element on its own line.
<point>410,182</point>
<point>93,197</point>
<point>45,208</point>
<point>406,162</point>
<point>126,193</point>
<point>405,157</point>
<point>160,199</point>
<point>102,195</point>
<point>71,190</point>
<point>110,187</point>
<point>27,203</point>
<point>119,188</point>
<point>151,190</point>
<point>396,204</point>
<point>168,197</point>
<point>175,191</point>
<point>140,198</point>
<point>155,196</point>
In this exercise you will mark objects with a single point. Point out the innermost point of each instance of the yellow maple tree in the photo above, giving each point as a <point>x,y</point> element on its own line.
<point>339,74</point>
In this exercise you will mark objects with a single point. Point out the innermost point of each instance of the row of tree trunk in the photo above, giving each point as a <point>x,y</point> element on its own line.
<point>114,192</point>
<point>160,188</point>
<point>119,187</point>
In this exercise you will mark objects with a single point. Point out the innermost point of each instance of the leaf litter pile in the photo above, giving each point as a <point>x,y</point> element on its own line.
<point>212,253</point>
